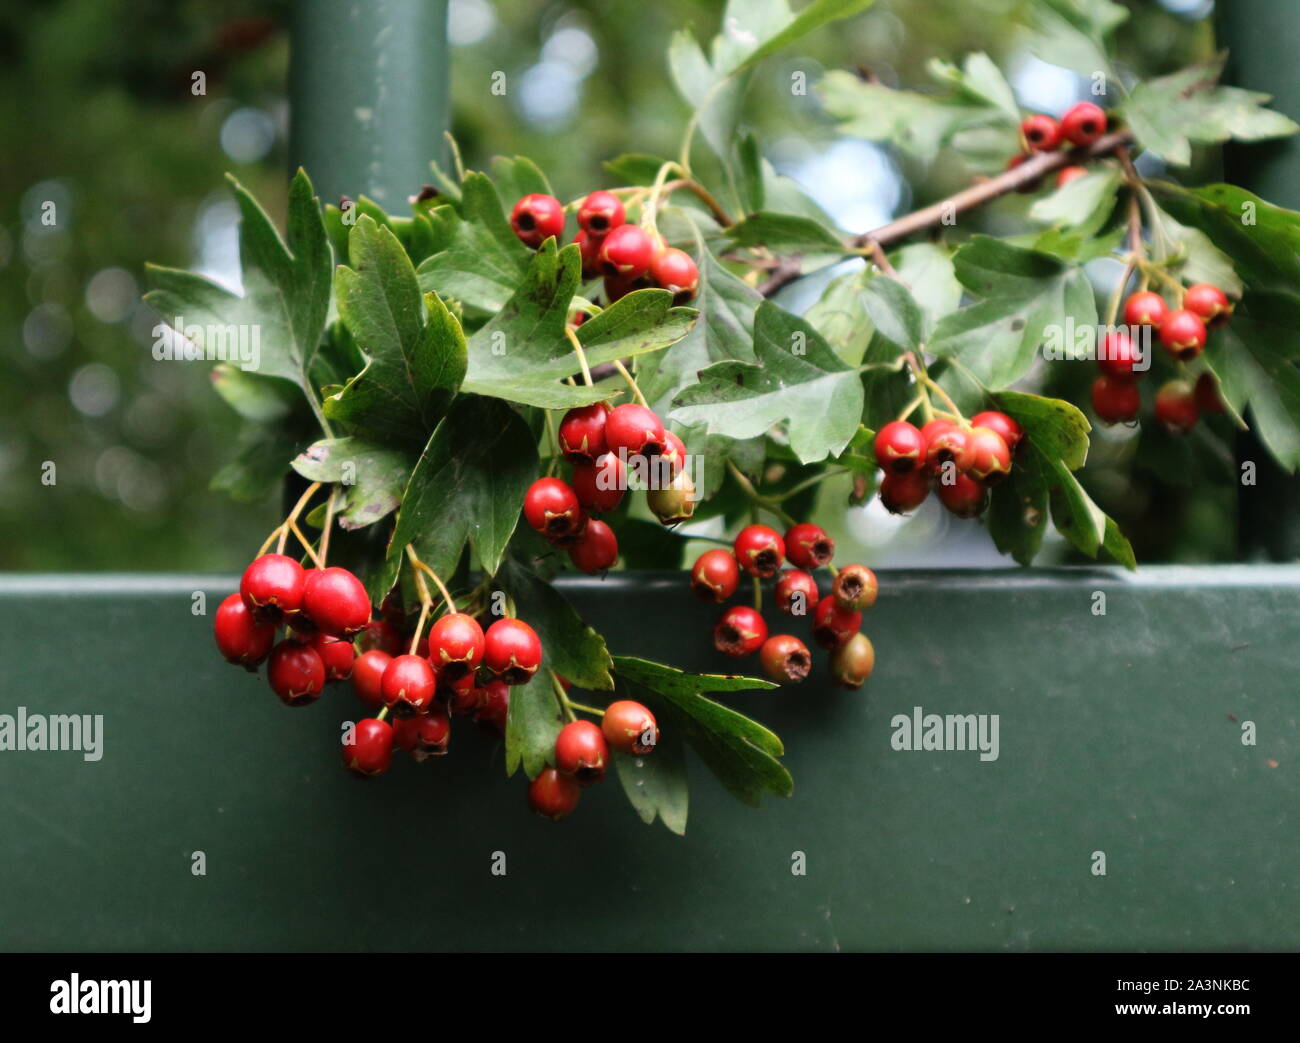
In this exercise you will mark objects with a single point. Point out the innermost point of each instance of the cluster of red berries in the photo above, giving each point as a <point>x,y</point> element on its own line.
<point>760,551</point>
<point>582,755</point>
<point>1182,332</point>
<point>628,256</point>
<point>960,458</point>
<point>1083,124</point>
<point>601,443</point>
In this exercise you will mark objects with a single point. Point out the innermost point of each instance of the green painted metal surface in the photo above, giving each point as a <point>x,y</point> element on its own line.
<point>368,89</point>
<point>1116,734</point>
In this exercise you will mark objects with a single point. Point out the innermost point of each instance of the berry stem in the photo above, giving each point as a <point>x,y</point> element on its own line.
<point>293,517</point>
<point>1117,295</point>
<point>425,604</point>
<point>420,567</point>
<point>266,544</point>
<point>382,714</point>
<point>758,594</point>
<point>631,382</point>
<point>704,196</point>
<point>562,695</point>
<point>582,355</point>
<point>808,483</point>
<point>754,497</point>
<point>306,545</point>
<point>596,710</point>
<point>329,525</point>
<point>554,439</point>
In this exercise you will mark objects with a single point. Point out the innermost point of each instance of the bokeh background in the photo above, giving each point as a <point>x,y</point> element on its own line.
<point>98,117</point>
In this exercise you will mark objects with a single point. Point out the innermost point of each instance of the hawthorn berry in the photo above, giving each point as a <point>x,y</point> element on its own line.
<point>537,217</point>
<point>581,752</point>
<point>1207,395</point>
<point>338,655</point>
<point>1209,302</point>
<point>740,632</point>
<point>1117,356</point>
<point>808,546</point>
<point>1083,124</point>
<point>336,601</point>
<point>512,651</point>
<point>600,486</point>
<point>1115,401</point>
<point>551,794</point>
<point>853,661</point>
<point>1067,174</point>
<point>619,286</point>
<point>899,447</point>
<point>1176,406</point>
<point>272,587</point>
<point>424,736</point>
<point>676,272</point>
<point>600,212</point>
<point>1040,133</point>
<point>296,673</point>
<point>370,749</point>
<point>589,249</point>
<point>715,575</point>
<point>1182,334</point>
<point>964,496</point>
<point>759,550</point>
<point>408,685</point>
<point>240,638</point>
<point>1004,425</point>
<point>455,645</point>
<point>635,430</point>
<point>674,502</point>
<point>467,699</point>
<point>551,507</point>
<point>495,707</point>
<point>383,635</point>
<point>990,457</point>
<point>901,493</point>
<point>951,444</point>
<point>627,251</point>
<point>597,550</point>
<point>795,591</point>
<point>582,433</point>
<point>784,658</point>
<point>833,624</point>
<point>368,676</point>
<point>855,588</point>
<point>674,453</point>
<point>629,727</point>
<point>1145,309</point>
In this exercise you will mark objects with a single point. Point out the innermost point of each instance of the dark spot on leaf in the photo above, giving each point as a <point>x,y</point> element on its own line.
<point>1017,325</point>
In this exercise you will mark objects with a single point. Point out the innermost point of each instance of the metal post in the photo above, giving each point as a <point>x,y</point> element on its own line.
<point>368,88</point>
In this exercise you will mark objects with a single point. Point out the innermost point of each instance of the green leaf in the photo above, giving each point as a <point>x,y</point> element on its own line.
<point>980,82</point>
<point>1087,200</point>
<point>257,469</point>
<point>416,350</point>
<point>532,724</point>
<point>927,269</point>
<point>634,168</point>
<point>577,653</point>
<point>518,177</point>
<point>1074,514</point>
<point>648,545</point>
<point>755,29</point>
<point>914,123</point>
<point>1057,428</point>
<point>798,378</point>
<point>784,232</point>
<point>840,316</point>
<point>656,785</point>
<point>1073,33</point>
<point>372,476</point>
<point>894,312</point>
<point>263,400</point>
<point>469,484</point>
<point>1017,514</point>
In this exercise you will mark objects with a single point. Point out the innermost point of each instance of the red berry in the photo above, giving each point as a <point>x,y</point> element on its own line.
<point>964,496</point>
<point>368,676</point>
<point>370,751</point>
<point>715,575</point>
<point>900,447</point>
<point>600,486</point>
<point>495,707</point>
<point>740,632</point>
<point>512,651</point>
<point>1182,334</point>
<point>759,550</point>
<point>808,546</point>
<point>1083,124</point>
<point>853,661</point>
<point>1067,174</point>
<point>1004,425</point>
<point>1207,395</point>
<point>600,212</point>
<point>551,794</point>
<point>901,493</point>
<point>855,588</point>
<point>676,272</point>
<point>1176,406</point>
<point>468,698</point>
<point>424,736</point>
<point>627,251</point>
<point>1117,355</point>
<point>933,427</point>
<point>272,587</point>
<point>582,433</point>
<point>990,457</point>
<point>337,654</point>
<point>949,445</point>
<point>1115,401</point>
<point>408,685</point>
<point>240,638</point>
<point>619,286</point>
<point>673,502</point>
<point>296,673</point>
<point>581,752</point>
<point>589,248</point>
<point>833,624</point>
<point>552,508</point>
<point>795,592</point>
<point>1145,309</point>
<point>634,430</point>
<point>536,218</point>
<point>784,658</point>
<point>455,645</point>
<point>336,601</point>
<point>674,453</point>
<point>1040,133</point>
<point>383,635</point>
<point>1028,186</point>
<point>1209,302</point>
<point>629,727</point>
<point>597,550</point>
